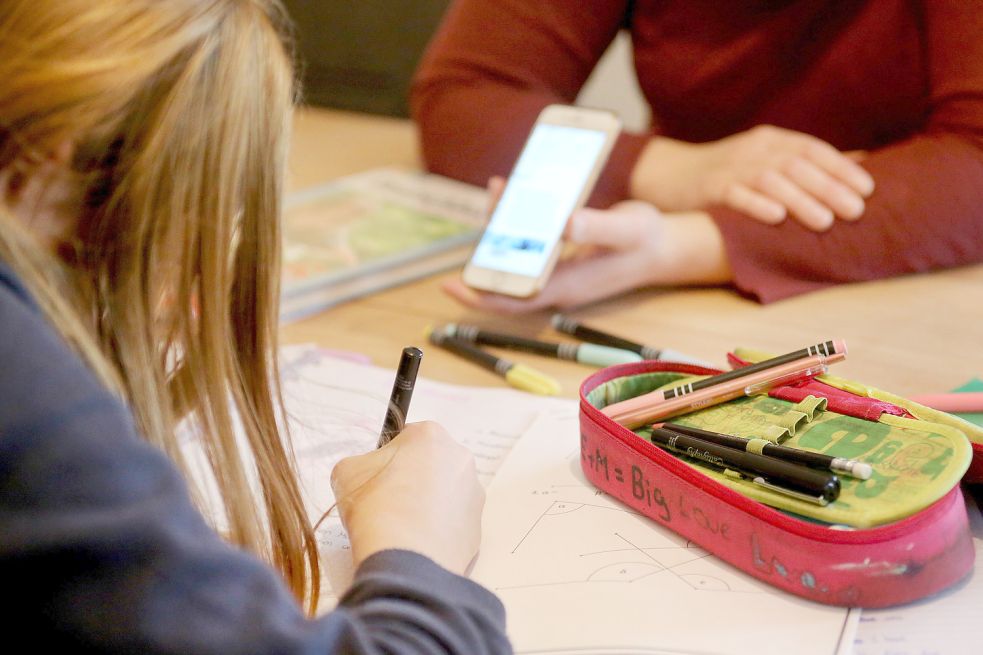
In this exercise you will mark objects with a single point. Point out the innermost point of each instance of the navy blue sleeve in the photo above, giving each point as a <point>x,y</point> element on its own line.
<point>102,551</point>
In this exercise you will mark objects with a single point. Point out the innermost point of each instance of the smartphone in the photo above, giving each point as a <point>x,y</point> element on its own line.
<point>553,176</point>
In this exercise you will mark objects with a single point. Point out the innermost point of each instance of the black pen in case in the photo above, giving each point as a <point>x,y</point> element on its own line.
<point>399,399</point>
<point>793,480</point>
<point>805,457</point>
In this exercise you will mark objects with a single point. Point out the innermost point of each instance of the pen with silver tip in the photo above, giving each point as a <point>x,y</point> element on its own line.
<point>849,467</point>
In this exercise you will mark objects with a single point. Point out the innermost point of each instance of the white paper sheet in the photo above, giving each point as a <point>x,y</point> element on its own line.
<point>335,409</point>
<point>581,573</point>
<point>948,624</point>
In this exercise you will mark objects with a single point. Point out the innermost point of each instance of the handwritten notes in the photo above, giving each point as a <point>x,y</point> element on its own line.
<point>335,409</point>
<point>947,624</point>
<point>581,573</point>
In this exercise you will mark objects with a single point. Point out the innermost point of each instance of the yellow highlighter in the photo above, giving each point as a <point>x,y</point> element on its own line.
<point>519,376</point>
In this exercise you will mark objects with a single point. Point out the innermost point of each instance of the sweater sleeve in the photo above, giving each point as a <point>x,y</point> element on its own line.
<point>926,211</point>
<point>493,66</point>
<point>102,551</point>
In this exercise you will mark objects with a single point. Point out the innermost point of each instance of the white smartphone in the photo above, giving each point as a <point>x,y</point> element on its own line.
<point>553,176</point>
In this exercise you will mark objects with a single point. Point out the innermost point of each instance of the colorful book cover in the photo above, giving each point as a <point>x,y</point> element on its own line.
<point>374,230</point>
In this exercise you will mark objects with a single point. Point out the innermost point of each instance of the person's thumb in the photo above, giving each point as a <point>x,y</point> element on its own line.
<point>622,227</point>
<point>496,187</point>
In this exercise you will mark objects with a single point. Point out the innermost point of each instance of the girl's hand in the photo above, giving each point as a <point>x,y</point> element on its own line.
<point>419,492</point>
<point>766,172</point>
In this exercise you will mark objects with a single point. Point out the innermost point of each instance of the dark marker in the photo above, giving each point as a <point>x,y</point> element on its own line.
<point>576,329</point>
<point>399,399</point>
<point>519,376</point>
<point>569,326</point>
<point>584,353</point>
<point>850,467</point>
<point>783,477</point>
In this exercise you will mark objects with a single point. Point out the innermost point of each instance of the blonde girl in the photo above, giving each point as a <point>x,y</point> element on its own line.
<point>142,147</point>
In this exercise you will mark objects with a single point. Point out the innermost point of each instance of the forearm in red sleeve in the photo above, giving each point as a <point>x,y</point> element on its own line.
<point>927,210</point>
<point>926,213</point>
<point>493,66</point>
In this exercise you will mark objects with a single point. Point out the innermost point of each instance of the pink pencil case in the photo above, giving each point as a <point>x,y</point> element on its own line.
<point>867,549</point>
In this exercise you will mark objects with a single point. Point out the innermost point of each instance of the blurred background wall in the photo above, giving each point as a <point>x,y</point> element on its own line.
<point>360,55</point>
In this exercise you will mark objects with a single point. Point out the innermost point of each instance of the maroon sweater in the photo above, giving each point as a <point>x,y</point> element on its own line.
<point>900,78</point>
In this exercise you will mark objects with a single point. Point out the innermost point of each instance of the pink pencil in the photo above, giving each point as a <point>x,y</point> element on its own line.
<point>654,405</point>
<point>971,401</point>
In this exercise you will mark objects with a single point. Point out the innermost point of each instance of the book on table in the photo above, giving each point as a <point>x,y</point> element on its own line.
<point>373,230</point>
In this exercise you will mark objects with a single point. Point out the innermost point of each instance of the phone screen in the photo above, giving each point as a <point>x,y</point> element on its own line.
<point>541,193</point>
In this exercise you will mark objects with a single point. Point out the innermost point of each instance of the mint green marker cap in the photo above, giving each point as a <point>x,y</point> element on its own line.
<point>602,356</point>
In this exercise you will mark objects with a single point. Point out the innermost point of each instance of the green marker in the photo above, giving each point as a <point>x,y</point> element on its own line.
<point>585,353</point>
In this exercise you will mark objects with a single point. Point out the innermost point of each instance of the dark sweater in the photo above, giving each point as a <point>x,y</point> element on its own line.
<point>101,550</point>
<point>902,79</point>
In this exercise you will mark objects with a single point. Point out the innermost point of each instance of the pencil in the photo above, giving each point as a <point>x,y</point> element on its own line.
<point>825,349</point>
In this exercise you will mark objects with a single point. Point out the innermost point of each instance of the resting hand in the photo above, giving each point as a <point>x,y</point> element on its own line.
<point>629,246</point>
<point>419,492</point>
<point>766,172</point>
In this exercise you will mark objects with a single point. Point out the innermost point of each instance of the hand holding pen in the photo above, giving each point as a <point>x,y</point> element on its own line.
<point>402,393</point>
<point>421,493</point>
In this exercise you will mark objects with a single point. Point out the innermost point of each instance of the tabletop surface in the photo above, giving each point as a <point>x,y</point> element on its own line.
<point>917,334</point>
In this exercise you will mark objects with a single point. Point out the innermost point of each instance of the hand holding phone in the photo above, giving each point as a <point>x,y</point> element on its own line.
<point>553,176</point>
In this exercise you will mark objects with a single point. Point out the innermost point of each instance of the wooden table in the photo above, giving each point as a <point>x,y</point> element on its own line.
<point>910,335</point>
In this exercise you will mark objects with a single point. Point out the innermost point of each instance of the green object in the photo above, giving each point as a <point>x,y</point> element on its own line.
<point>976,418</point>
<point>915,462</point>
<point>602,356</point>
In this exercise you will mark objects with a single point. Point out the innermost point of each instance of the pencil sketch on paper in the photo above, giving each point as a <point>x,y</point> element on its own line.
<point>579,572</point>
<point>335,408</point>
<point>575,542</point>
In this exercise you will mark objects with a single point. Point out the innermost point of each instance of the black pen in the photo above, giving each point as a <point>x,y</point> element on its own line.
<point>850,467</point>
<point>399,399</point>
<point>783,477</point>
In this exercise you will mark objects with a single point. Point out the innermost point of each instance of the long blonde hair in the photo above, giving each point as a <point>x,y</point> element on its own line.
<point>178,112</point>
